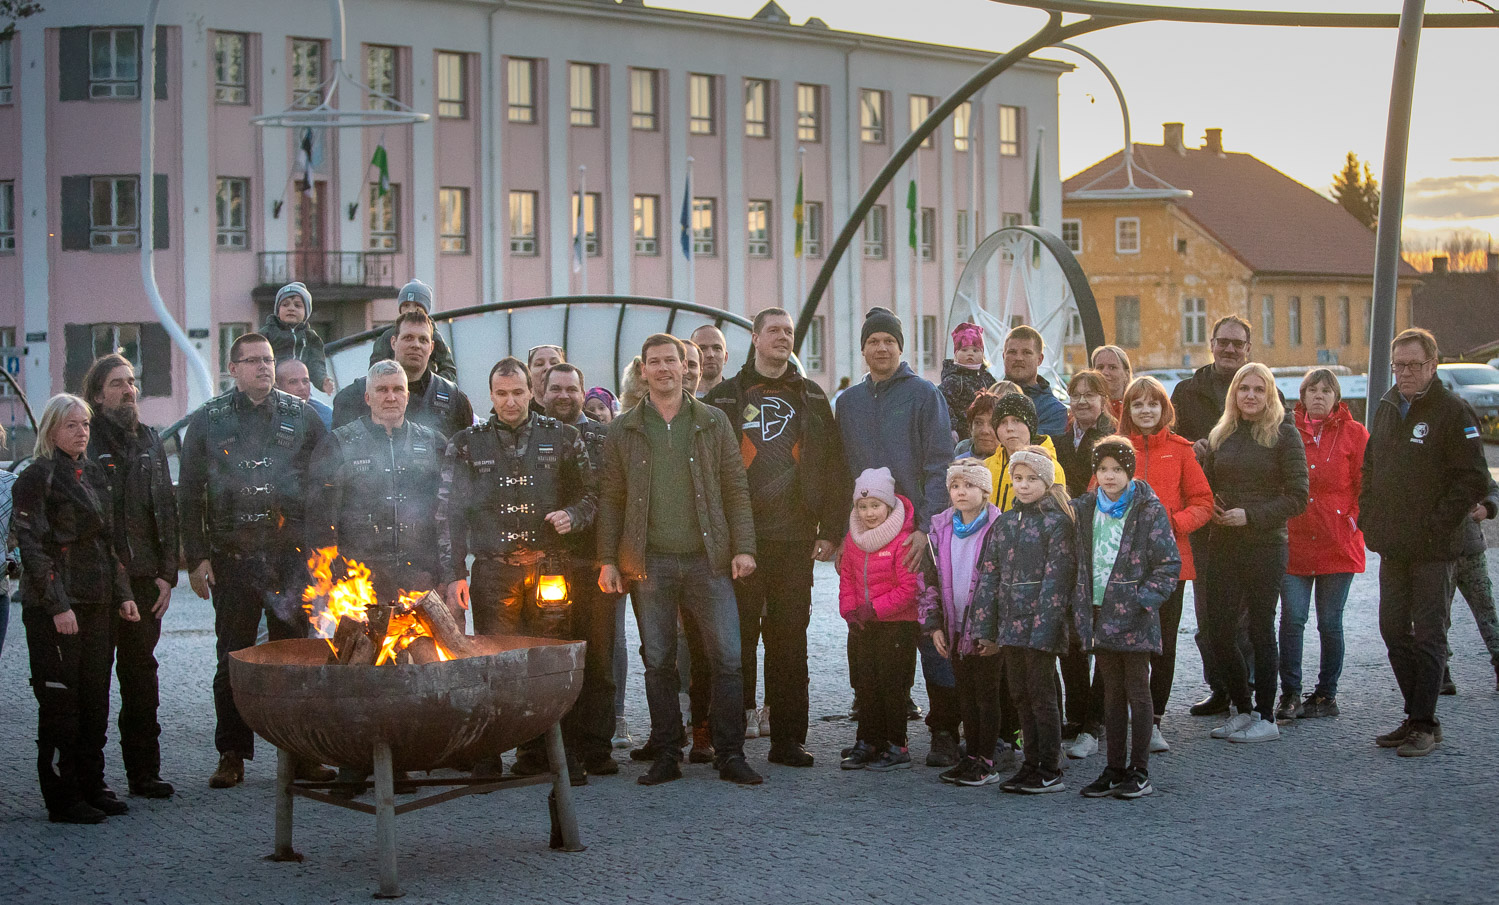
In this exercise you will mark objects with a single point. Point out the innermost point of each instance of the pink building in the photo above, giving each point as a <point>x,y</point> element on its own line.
<point>528,98</point>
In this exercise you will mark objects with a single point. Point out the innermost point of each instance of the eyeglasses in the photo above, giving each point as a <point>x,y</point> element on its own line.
<point>1086,398</point>
<point>1409,367</point>
<point>1232,345</point>
<point>261,360</point>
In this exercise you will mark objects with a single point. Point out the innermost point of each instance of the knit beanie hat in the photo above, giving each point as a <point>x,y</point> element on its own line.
<point>1117,448</point>
<point>295,289</point>
<point>1017,405</point>
<point>1036,459</point>
<point>416,291</point>
<point>974,472</point>
<point>966,334</point>
<point>604,396</point>
<point>882,320</point>
<point>877,483</point>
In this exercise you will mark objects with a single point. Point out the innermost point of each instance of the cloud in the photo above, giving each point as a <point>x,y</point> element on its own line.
<point>1475,160</point>
<point>1453,197</point>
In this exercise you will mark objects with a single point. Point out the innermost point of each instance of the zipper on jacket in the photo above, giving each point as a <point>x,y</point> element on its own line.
<point>395,505</point>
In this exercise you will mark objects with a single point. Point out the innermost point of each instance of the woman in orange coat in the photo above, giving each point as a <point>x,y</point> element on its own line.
<point>1168,465</point>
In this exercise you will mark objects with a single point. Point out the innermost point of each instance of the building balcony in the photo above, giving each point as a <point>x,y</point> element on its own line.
<point>331,275</point>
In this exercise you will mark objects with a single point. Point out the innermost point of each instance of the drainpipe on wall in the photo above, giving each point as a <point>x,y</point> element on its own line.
<point>491,176</point>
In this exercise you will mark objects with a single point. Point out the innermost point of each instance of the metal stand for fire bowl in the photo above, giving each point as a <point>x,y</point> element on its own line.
<point>559,803</point>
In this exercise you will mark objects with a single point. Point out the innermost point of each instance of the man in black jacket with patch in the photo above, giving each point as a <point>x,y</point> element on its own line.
<point>435,401</point>
<point>798,477</point>
<point>1424,471</point>
<point>134,463</point>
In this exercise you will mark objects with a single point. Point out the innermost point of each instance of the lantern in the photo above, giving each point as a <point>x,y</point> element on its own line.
<point>551,582</point>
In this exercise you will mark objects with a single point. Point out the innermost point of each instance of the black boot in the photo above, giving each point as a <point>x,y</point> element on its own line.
<point>1212,705</point>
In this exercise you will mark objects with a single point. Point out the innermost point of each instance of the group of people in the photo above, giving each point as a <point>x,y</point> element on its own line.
<point>984,528</point>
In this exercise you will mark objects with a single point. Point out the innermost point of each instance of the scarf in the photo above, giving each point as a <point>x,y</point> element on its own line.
<point>873,540</point>
<point>961,530</point>
<point>1116,508</point>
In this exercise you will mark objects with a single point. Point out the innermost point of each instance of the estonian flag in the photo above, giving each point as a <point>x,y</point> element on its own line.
<point>686,220</point>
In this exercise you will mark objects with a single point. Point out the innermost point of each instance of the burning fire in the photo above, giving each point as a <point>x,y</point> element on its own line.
<point>327,601</point>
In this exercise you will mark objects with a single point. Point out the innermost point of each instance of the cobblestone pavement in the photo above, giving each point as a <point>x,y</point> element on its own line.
<point>1320,816</point>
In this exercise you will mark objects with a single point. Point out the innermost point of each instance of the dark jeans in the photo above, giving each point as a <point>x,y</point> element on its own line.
<point>884,656</point>
<point>1083,687</point>
<point>135,666</point>
<point>1415,603</point>
<point>979,700</point>
<point>781,589</point>
<point>1471,575</point>
<point>1033,686</point>
<point>687,582</point>
<point>941,687</point>
<point>70,677</point>
<point>1295,605</point>
<point>693,673</point>
<point>245,586</point>
<point>589,726</point>
<point>4,618</point>
<point>1200,554</point>
<point>1244,579</point>
<point>1127,710</point>
<point>1163,664</point>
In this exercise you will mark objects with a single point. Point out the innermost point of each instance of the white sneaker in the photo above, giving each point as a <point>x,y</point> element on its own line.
<point>751,724</point>
<point>765,721</point>
<point>1157,741</point>
<point>1258,731</point>
<point>1085,745</point>
<point>1235,723</point>
<point>622,734</point>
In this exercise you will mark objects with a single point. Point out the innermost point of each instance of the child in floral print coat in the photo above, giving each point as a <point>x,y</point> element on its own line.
<point>1127,566</point>
<point>1022,605</point>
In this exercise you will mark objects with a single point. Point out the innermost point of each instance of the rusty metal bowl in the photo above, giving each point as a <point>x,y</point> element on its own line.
<point>447,714</point>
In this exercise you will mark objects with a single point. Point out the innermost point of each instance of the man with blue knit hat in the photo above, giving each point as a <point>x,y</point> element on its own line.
<point>897,420</point>
<point>417,296</point>
<point>291,336</point>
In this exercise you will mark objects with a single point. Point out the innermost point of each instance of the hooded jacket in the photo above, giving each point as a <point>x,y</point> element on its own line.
<point>959,387</point>
<point>1168,464</point>
<point>935,604</point>
<point>877,587</point>
<point>1145,573</point>
<point>297,341</point>
<point>1325,539</point>
<point>999,469</point>
<point>1026,574</point>
<point>900,423</point>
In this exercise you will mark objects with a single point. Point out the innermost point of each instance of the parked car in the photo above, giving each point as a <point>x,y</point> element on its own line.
<point>1479,384</point>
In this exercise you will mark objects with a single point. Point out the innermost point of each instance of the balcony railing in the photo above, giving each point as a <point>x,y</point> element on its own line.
<point>374,269</point>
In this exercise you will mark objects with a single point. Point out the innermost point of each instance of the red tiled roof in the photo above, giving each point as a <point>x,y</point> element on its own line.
<point>1271,222</point>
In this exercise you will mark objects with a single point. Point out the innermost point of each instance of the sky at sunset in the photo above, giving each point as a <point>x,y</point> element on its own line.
<point>1299,99</point>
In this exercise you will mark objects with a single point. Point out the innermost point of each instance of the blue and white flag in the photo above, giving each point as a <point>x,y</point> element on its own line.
<point>687,217</point>
<point>578,235</point>
<point>1471,432</point>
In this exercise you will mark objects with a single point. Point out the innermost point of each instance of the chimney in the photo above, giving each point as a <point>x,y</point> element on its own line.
<point>1212,140</point>
<point>1173,138</point>
<point>1439,264</point>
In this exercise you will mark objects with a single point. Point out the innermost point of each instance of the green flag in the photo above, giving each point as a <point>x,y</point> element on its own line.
<point>383,166</point>
<point>911,206</point>
<point>799,214</point>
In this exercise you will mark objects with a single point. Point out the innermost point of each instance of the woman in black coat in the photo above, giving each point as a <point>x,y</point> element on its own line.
<point>1256,464</point>
<point>72,582</point>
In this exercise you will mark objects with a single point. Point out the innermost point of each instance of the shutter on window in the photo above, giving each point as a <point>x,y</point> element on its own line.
<point>156,361</point>
<point>160,215</point>
<point>161,62</point>
<point>73,67</point>
<point>78,341</point>
<point>75,213</point>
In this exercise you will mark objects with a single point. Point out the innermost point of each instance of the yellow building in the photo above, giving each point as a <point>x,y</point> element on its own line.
<point>1248,240</point>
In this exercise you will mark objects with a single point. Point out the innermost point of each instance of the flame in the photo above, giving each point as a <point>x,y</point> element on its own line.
<point>327,601</point>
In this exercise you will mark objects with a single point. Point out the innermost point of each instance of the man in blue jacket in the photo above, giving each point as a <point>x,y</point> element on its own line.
<point>894,419</point>
<point>1024,352</point>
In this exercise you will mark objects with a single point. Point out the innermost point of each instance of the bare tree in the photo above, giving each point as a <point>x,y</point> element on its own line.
<point>12,11</point>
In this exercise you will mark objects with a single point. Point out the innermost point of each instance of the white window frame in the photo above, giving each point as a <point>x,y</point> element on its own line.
<point>382,73</point>
<point>1293,320</point>
<point>120,77</point>
<point>306,72</point>
<point>702,106</point>
<point>452,85</point>
<point>808,112</point>
<point>231,64</point>
<point>704,227</point>
<point>231,213</point>
<point>228,333</point>
<point>1127,235</point>
<point>757,109</point>
<point>962,126</point>
<point>813,351</point>
<point>522,205</point>
<point>1319,320</point>
<point>385,210</point>
<point>1267,320</point>
<point>920,108</point>
<point>876,233</point>
<point>452,220</point>
<point>645,213</point>
<point>583,94</point>
<point>812,224</point>
<point>7,77</point>
<point>7,216</point>
<point>928,341</point>
<point>1127,339</point>
<point>645,99</point>
<point>1073,242</point>
<point>1009,131</point>
<point>1345,320</point>
<point>871,116</point>
<point>114,232</point>
<point>593,208</point>
<point>757,228</point>
<point>520,90</point>
<point>1194,321</point>
<point>927,234</point>
<point>961,223</point>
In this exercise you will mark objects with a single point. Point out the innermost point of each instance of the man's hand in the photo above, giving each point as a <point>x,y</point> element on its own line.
<point>456,594</point>
<point>129,612</point>
<point>939,641</point>
<point>560,520</point>
<point>610,581</point>
<point>163,598</point>
<point>915,546</point>
<point>822,551</point>
<point>66,623</point>
<point>743,566</point>
<point>986,647</point>
<point>201,579</point>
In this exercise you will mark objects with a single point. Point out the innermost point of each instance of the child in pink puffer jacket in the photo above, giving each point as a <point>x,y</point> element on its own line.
<point>877,595</point>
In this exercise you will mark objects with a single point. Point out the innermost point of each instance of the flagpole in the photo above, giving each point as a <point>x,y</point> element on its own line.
<point>919,303</point>
<point>582,226</point>
<point>974,195</point>
<point>801,228</point>
<point>691,258</point>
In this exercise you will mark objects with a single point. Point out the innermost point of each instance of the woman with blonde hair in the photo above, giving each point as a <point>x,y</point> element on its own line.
<point>1256,464</point>
<point>72,580</point>
<point>1113,363</point>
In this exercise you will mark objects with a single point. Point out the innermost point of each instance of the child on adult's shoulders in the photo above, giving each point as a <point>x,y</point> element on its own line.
<point>964,376</point>
<point>291,335</point>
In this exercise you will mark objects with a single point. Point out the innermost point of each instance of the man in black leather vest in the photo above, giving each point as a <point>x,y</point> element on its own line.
<point>373,492</point>
<point>512,488</point>
<point>435,401</point>
<point>240,494</point>
<point>145,541</point>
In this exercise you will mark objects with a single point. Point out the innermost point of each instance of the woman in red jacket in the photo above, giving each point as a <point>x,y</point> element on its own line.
<point>1168,465</point>
<point>1327,549</point>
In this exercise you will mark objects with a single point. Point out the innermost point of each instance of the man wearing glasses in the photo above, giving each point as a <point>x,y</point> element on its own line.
<point>240,490</point>
<point>1424,472</point>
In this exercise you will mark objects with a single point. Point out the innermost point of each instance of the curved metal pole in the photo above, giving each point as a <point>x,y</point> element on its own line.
<point>1140,11</point>
<point>146,193</point>
<point>1050,34</point>
<point>20,394</point>
<point>1129,144</point>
